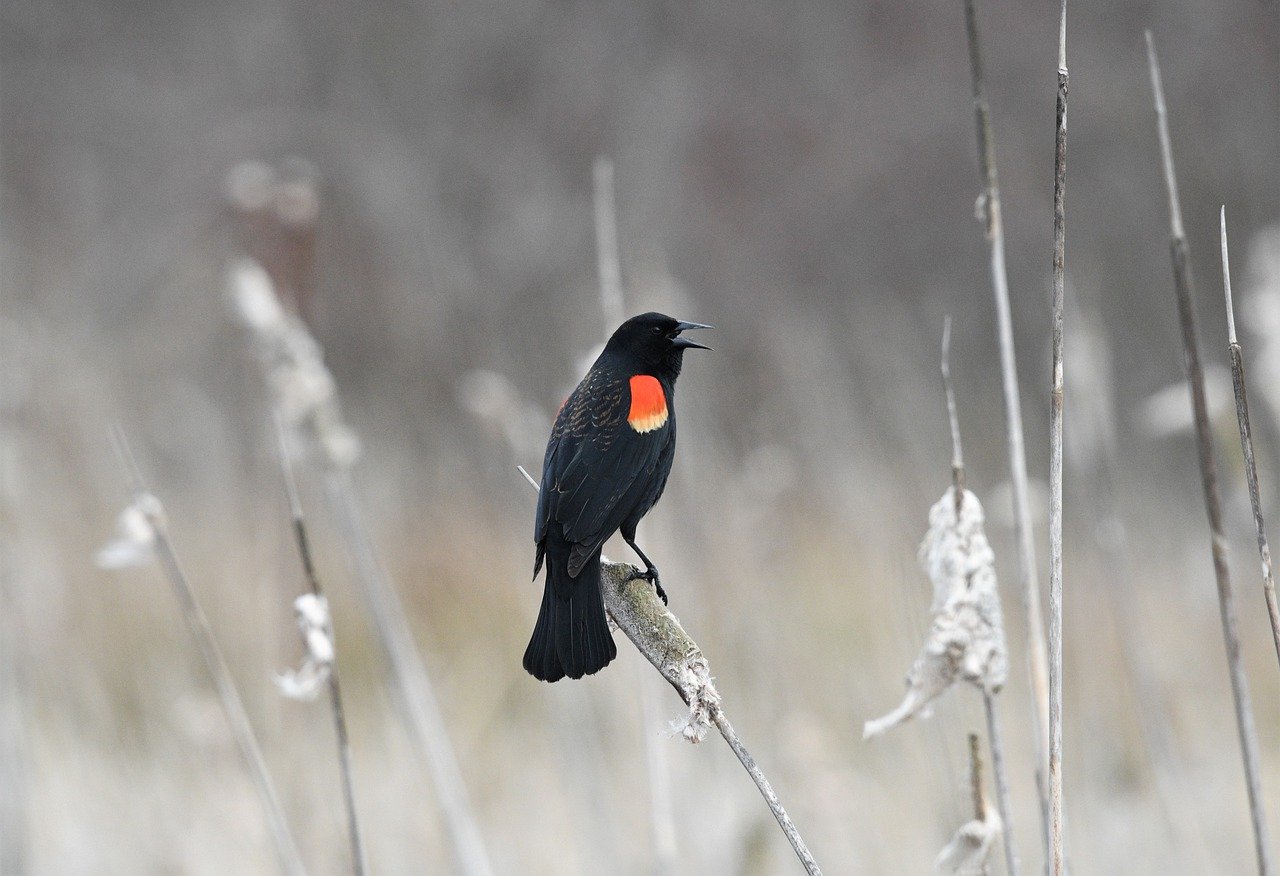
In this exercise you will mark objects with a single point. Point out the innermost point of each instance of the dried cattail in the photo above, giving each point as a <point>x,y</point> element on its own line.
<point>966,636</point>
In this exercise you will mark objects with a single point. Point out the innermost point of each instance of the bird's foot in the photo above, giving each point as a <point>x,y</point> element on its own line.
<point>651,574</point>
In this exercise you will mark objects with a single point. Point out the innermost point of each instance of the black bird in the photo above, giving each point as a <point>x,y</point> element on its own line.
<point>606,464</point>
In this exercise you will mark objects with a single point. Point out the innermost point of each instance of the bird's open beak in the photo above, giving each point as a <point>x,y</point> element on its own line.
<point>686,343</point>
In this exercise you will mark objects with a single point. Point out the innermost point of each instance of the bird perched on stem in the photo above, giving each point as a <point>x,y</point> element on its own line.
<point>606,464</point>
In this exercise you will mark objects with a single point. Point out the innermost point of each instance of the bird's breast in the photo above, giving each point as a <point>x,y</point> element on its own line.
<point>648,404</point>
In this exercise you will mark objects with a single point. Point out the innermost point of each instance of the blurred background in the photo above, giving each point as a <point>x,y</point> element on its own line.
<point>417,180</point>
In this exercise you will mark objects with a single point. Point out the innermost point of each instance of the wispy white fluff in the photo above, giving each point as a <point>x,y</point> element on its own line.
<point>694,677</point>
<point>966,636</point>
<point>1167,411</point>
<point>969,849</point>
<point>134,541</point>
<point>305,682</point>
<point>301,385</point>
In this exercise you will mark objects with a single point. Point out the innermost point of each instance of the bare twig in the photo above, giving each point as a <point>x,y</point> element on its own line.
<point>953,417</point>
<point>989,212</point>
<point>975,778</point>
<point>1056,861</point>
<point>994,737</point>
<point>1183,282</point>
<point>14,857</point>
<point>659,637</point>
<point>1246,444</point>
<point>607,262</point>
<point>202,633</point>
<point>358,863</point>
<point>995,740</point>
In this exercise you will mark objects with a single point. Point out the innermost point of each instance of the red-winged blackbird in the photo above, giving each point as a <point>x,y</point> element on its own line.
<point>607,461</point>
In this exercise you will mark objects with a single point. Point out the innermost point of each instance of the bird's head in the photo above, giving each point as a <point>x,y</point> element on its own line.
<point>654,342</point>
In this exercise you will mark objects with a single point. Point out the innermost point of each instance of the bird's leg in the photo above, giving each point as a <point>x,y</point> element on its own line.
<point>651,571</point>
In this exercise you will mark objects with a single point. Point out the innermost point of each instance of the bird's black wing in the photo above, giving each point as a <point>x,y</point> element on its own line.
<point>593,461</point>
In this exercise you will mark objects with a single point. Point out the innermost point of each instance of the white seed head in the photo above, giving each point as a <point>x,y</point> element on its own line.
<point>970,848</point>
<point>134,541</point>
<point>254,298</point>
<point>314,622</point>
<point>966,636</point>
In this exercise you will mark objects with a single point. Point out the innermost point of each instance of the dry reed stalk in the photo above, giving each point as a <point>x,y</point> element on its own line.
<point>1056,859</point>
<point>151,514</point>
<point>358,862</point>
<point>993,225</point>
<point>994,737</point>
<point>304,395</point>
<point>1246,444</point>
<point>13,746</point>
<point>613,310</point>
<point>635,608</point>
<point>1182,281</point>
<point>414,692</point>
<point>657,634</point>
<point>608,265</point>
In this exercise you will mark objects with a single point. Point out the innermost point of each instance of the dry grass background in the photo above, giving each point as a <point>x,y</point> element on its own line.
<point>803,179</point>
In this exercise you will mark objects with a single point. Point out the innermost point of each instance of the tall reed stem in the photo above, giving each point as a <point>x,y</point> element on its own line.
<point>1056,859</point>
<point>994,737</point>
<point>358,863</point>
<point>1183,283</point>
<point>993,227</point>
<point>198,625</point>
<point>1246,445</point>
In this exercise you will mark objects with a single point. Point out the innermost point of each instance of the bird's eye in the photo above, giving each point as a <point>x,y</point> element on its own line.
<point>657,329</point>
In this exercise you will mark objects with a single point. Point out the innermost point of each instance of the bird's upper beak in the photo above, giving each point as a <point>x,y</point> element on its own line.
<point>685,343</point>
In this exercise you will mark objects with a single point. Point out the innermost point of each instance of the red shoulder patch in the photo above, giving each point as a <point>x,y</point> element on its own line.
<point>648,404</point>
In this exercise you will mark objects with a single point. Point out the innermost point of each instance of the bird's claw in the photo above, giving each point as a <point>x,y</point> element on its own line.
<point>651,574</point>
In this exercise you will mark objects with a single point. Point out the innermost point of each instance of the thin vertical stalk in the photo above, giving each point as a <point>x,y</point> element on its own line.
<point>994,738</point>
<point>358,863</point>
<point>1056,861</point>
<point>608,264</point>
<point>13,748</point>
<point>1037,653</point>
<point>198,625</point>
<point>1003,804</point>
<point>613,310</point>
<point>1183,283</point>
<point>414,693</point>
<point>1246,445</point>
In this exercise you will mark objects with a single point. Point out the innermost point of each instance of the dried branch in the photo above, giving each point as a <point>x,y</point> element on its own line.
<point>657,634</point>
<point>1182,280</point>
<point>148,512</point>
<point>359,865</point>
<point>1246,444</point>
<point>1056,860</point>
<point>989,212</point>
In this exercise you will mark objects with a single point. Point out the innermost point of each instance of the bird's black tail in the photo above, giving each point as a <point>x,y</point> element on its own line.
<point>572,634</point>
